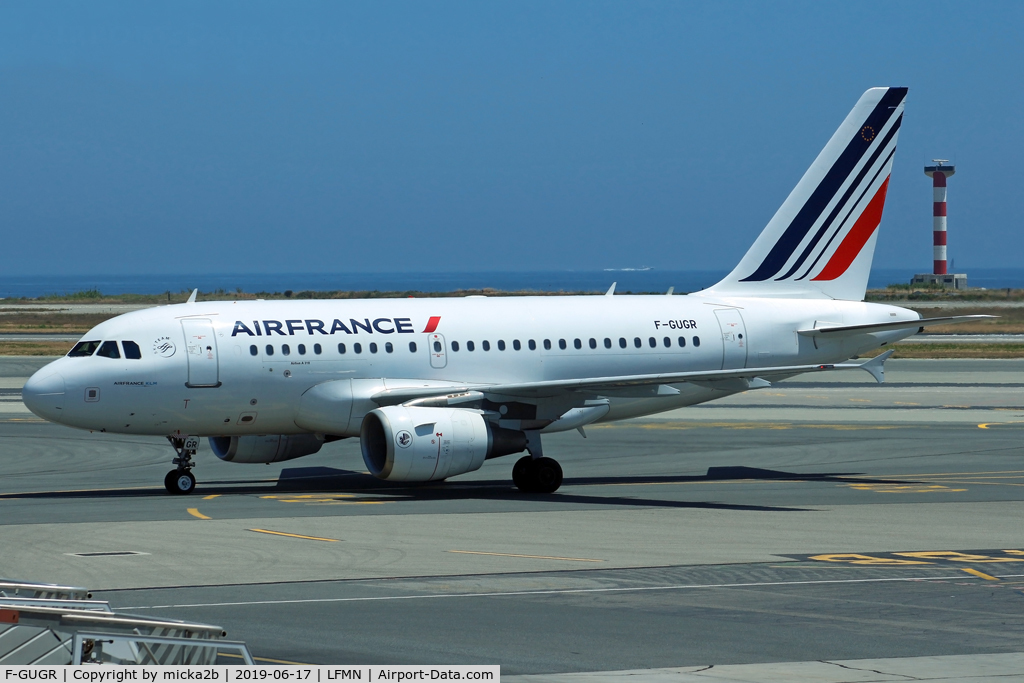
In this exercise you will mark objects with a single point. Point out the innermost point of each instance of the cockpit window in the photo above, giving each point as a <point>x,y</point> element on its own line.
<point>131,350</point>
<point>84,348</point>
<point>109,350</point>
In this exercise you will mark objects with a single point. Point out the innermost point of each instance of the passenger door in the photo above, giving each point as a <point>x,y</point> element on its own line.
<point>201,351</point>
<point>734,342</point>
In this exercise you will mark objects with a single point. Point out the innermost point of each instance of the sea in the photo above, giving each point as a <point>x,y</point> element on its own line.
<point>639,280</point>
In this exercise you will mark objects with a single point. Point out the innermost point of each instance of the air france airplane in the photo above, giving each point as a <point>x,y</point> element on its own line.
<point>434,387</point>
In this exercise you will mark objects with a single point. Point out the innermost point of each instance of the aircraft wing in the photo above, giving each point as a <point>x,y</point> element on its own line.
<point>753,377</point>
<point>850,330</point>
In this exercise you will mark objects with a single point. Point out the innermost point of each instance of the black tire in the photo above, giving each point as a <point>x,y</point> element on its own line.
<point>547,475</point>
<point>180,483</point>
<point>522,474</point>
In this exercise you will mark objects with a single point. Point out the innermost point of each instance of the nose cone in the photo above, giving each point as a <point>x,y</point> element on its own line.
<point>43,393</point>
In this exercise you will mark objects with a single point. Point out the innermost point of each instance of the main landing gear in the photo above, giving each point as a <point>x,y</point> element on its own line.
<point>181,480</point>
<point>535,473</point>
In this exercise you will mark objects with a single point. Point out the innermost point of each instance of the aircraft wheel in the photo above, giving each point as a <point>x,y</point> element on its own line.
<point>547,475</point>
<point>179,482</point>
<point>522,473</point>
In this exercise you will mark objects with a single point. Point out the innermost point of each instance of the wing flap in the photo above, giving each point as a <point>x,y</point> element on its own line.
<point>755,378</point>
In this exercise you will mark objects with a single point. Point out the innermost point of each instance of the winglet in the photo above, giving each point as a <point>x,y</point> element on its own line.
<point>192,296</point>
<point>876,366</point>
<point>611,290</point>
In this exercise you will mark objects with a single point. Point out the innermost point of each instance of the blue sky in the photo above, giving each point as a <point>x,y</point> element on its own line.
<point>376,136</point>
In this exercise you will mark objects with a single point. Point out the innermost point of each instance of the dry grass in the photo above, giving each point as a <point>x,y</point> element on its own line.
<point>1010,320</point>
<point>49,322</point>
<point>31,348</point>
<point>953,351</point>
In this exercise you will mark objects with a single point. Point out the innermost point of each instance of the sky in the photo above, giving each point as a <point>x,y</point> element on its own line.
<point>247,137</point>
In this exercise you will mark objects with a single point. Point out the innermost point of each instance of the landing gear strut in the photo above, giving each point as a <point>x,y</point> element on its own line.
<point>534,473</point>
<point>181,480</point>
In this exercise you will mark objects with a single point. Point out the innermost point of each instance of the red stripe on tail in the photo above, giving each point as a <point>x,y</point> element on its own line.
<point>858,236</point>
<point>432,324</point>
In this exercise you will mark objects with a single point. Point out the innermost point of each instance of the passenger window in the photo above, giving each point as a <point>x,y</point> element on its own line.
<point>373,347</point>
<point>455,346</point>
<point>533,345</point>
<point>547,344</point>
<point>485,345</point>
<point>577,343</point>
<point>317,349</point>
<point>622,342</point>
<point>109,350</point>
<point>696,341</point>
<point>516,345</point>
<point>253,351</point>
<point>607,343</point>
<point>470,346</point>
<point>682,342</point>
<point>389,347</point>
<point>83,348</point>
<point>437,347</point>
<point>501,344</point>
<point>341,349</point>
<point>593,343</point>
<point>131,350</point>
<point>302,349</point>
<point>357,348</point>
<point>653,342</point>
<point>668,342</point>
<point>636,342</point>
<point>561,344</point>
<point>412,347</point>
<point>270,350</point>
<point>286,350</point>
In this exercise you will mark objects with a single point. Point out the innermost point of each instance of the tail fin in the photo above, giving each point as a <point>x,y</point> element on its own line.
<point>821,241</point>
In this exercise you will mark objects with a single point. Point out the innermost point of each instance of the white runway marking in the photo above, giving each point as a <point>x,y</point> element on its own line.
<point>560,591</point>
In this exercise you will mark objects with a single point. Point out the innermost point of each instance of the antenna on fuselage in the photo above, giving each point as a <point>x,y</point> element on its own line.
<point>670,290</point>
<point>611,290</point>
<point>192,296</point>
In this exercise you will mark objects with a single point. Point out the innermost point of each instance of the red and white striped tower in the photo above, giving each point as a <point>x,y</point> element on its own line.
<point>938,174</point>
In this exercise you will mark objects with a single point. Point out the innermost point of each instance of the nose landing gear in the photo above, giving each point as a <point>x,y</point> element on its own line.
<point>181,480</point>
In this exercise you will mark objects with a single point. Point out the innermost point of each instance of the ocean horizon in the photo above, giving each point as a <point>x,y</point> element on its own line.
<point>628,280</point>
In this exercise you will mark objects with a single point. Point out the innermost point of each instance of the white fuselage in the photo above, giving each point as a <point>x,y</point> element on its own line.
<point>241,368</point>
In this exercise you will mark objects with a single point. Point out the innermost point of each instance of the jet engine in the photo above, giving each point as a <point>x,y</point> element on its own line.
<point>265,448</point>
<point>409,443</point>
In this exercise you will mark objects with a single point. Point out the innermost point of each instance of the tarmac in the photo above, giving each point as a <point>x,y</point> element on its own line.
<point>827,530</point>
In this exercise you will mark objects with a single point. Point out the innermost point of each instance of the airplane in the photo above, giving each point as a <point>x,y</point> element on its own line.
<point>433,387</point>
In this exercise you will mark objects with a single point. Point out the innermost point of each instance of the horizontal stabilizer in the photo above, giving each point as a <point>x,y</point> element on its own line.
<point>851,330</point>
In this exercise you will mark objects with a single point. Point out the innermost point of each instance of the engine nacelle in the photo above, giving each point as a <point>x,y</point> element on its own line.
<point>401,443</point>
<point>265,448</point>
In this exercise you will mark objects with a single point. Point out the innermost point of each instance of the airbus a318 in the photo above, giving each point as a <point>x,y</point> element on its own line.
<point>434,387</point>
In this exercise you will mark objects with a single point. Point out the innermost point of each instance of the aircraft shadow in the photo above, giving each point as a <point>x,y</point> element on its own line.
<point>327,481</point>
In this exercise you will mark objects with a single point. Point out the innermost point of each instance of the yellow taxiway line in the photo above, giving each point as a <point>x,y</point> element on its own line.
<point>281,533</point>
<point>987,577</point>
<point>196,513</point>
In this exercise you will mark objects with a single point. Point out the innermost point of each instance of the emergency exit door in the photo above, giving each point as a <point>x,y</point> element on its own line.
<point>201,352</point>
<point>438,357</point>
<point>734,339</point>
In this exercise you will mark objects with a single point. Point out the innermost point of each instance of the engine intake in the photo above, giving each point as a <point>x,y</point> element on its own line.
<point>265,448</point>
<point>401,443</point>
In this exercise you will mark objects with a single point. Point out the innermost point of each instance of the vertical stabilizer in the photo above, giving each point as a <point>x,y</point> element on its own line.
<point>820,242</point>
